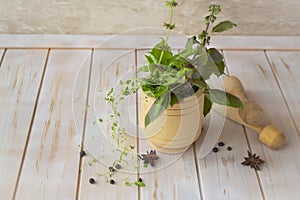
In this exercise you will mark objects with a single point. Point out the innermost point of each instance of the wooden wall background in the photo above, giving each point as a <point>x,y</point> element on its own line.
<point>256,17</point>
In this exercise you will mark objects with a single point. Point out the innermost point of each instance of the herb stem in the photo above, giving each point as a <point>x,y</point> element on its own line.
<point>209,20</point>
<point>170,22</point>
<point>207,27</point>
<point>168,33</point>
<point>161,56</point>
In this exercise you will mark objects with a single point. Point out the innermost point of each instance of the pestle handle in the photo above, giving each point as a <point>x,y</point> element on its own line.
<point>251,113</point>
<point>269,135</point>
<point>234,86</point>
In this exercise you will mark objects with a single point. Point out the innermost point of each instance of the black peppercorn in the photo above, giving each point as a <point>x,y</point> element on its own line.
<point>229,148</point>
<point>112,181</point>
<point>118,166</point>
<point>221,144</point>
<point>82,153</point>
<point>140,180</point>
<point>215,149</point>
<point>92,181</point>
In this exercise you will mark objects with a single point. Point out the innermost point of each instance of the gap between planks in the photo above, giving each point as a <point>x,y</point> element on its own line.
<point>256,173</point>
<point>84,126</point>
<point>247,138</point>
<point>2,57</point>
<point>197,170</point>
<point>137,120</point>
<point>271,65</point>
<point>30,126</point>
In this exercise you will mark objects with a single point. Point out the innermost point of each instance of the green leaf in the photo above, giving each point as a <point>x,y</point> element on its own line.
<point>161,52</point>
<point>162,75</point>
<point>191,48</point>
<point>128,183</point>
<point>171,3</point>
<point>156,53</point>
<point>223,26</point>
<point>207,105</point>
<point>224,98</point>
<point>189,43</point>
<point>158,107</point>
<point>178,62</point>
<point>207,70</point>
<point>138,183</point>
<point>214,7</point>
<point>202,36</point>
<point>217,58</point>
<point>162,44</point>
<point>144,68</point>
<point>200,83</point>
<point>154,90</point>
<point>173,99</point>
<point>128,82</point>
<point>210,62</point>
<point>186,53</point>
<point>150,59</point>
<point>110,92</point>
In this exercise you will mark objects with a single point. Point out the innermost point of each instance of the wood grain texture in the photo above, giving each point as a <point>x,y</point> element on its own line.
<point>221,175</point>
<point>109,67</point>
<point>135,40</point>
<point>20,75</point>
<point>285,67</point>
<point>56,113</point>
<point>51,162</point>
<point>173,176</point>
<point>280,175</point>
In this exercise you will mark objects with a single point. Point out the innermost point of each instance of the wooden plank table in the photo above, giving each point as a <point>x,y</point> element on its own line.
<point>49,108</point>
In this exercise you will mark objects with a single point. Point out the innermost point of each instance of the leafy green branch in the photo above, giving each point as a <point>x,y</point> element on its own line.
<point>205,35</point>
<point>118,134</point>
<point>173,77</point>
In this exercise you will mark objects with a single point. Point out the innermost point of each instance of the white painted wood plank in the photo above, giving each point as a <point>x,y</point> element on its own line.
<point>280,176</point>
<point>256,42</point>
<point>20,75</point>
<point>144,41</point>
<point>221,174</point>
<point>286,69</point>
<point>52,160</point>
<point>43,40</point>
<point>171,178</point>
<point>109,67</point>
<point>174,176</point>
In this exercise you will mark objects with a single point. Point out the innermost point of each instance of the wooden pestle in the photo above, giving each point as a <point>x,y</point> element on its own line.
<point>251,113</point>
<point>269,135</point>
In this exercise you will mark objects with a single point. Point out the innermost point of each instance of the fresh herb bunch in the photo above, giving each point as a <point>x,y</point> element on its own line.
<point>173,77</point>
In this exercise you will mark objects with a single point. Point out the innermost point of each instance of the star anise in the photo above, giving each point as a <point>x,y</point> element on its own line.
<point>150,157</point>
<point>253,160</point>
